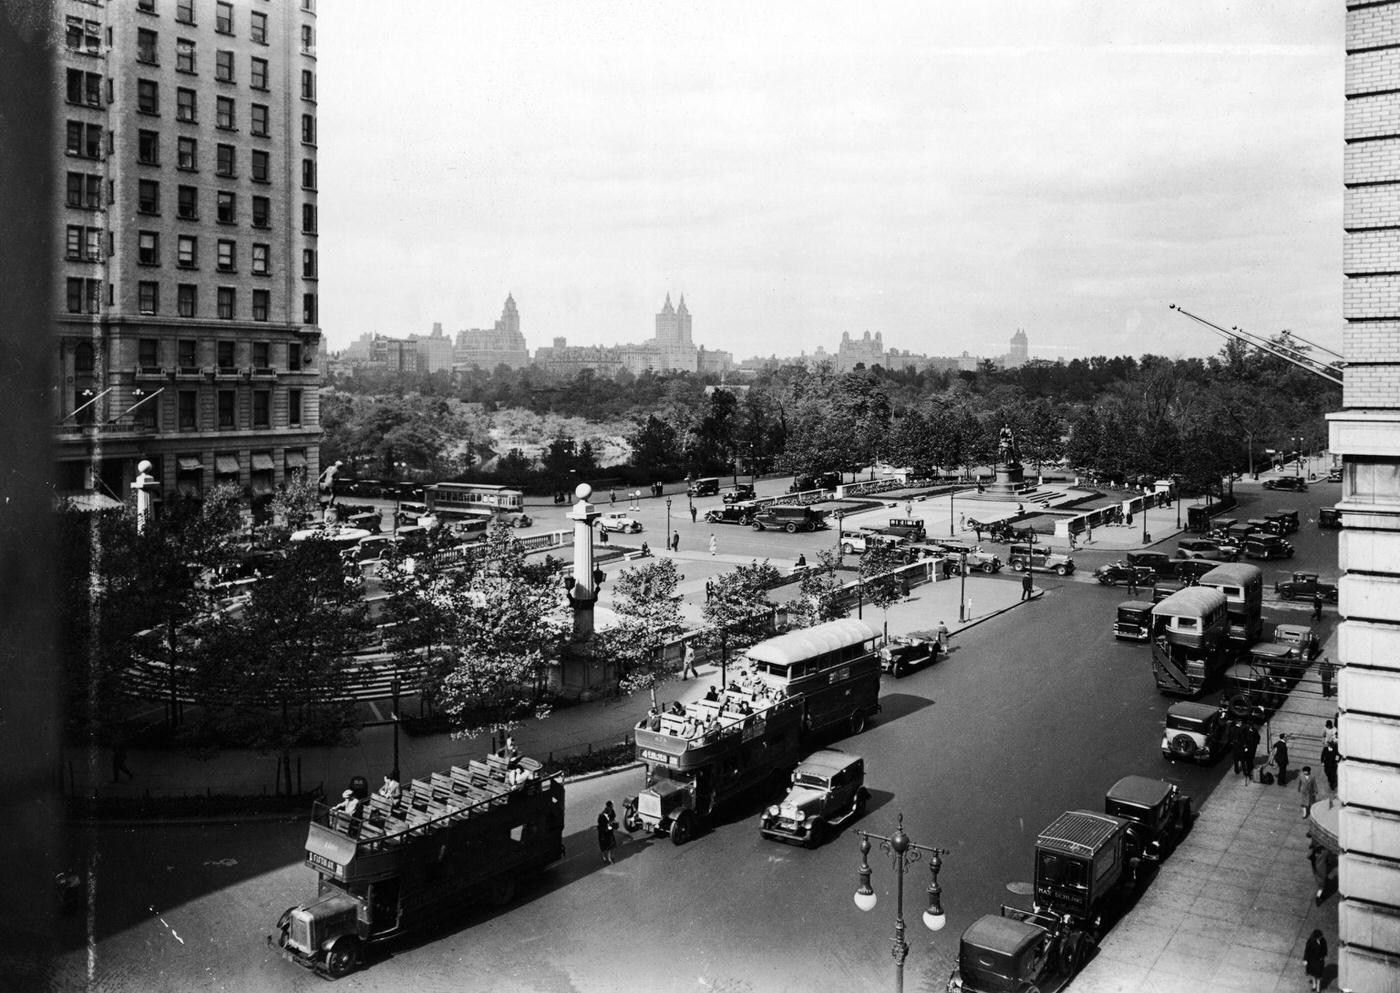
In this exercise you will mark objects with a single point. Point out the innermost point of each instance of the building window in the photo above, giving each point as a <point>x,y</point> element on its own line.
<point>294,356</point>
<point>73,247</point>
<point>224,162</point>
<point>84,190</point>
<point>146,46</point>
<point>149,6</point>
<point>83,36</point>
<point>227,398</point>
<point>308,174</point>
<point>1371,481</point>
<point>223,113</point>
<point>261,209</point>
<point>147,96</point>
<point>184,56</point>
<point>308,85</point>
<point>308,40</point>
<point>148,353</point>
<point>228,207</point>
<point>187,252</point>
<point>258,124</point>
<point>308,128</point>
<point>308,263</point>
<point>260,260</point>
<point>308,308</point>
<point>187,154</point>
<point>294,407</point>
<point>83,244</point>
<point>84,295</point>
<point>148,247</point>
<point>258,73</point>
<point>92,248</point>
<point>226,252</point>
<point>223,17</point>
<point>148,196</point>
<point>187,299</point>
<point>148,147</point>
<point>187,206</point>
<point>257,27</point>
<point>225,351</point>
<point>85,87</point>
<point>85,140</point>
<point>227,301</point>
<point>262,408</point>
<point>260,162</point>
<point>261,355</point>
<point>261,300</point>
<point>148,297</point>
<point>308,218</point>
<point>185,105</point>
<point>223,66</point>
<point>185,351</point>
<point>188,400</point>
<point>184,11</point>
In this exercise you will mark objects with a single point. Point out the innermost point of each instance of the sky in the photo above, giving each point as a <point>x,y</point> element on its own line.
<point>943,173</point>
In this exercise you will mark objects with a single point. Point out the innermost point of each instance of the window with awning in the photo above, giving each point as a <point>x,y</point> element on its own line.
<point>188,463</point>
<point>226,465</point>
<point>296,458</point>
<point>262,461</point>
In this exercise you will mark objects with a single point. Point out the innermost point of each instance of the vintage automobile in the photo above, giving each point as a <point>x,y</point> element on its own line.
<point>1194,732</point>
<point>1329,519</point>
<point>828,789</point>
<point>1220,528</point>
<point>1285,518</point>
<point>1295,483</point>
<point>789,519</point>
<point>618,521</point>
<point>732,513</point>
<point>1017,951</point>
<point>1300,637</point>
<point>707,486</point>
<point>1305,586</point>
<point>1252,688</point>
<point>1190,571</point>
<point>1159,562</point>
<point>1160,812</point>
<point>1334,474</point>
<point>1116,573</point>
<point>1133,621</point>
<point>1202,548</point>
<point>1267,546</point>
<point>1039,558</point>
<point>977,560</point>
<point>911,528</point>
<point>739,493</point>
<point>902,653</point>
<point>815,481</point>
<point>853,542</point>
<point>1165,588</point>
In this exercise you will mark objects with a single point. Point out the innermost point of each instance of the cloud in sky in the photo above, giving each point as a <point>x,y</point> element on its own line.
<point>941,173</point>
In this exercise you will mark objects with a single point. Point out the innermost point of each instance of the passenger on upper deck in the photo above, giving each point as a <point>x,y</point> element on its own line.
<point>712,694</point>
<point>653,719</point>
<point>678,709</point>
<point>391,790</point>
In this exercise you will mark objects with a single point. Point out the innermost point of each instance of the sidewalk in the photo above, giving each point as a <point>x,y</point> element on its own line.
<point>174,773</point>
<point>1232,907</point>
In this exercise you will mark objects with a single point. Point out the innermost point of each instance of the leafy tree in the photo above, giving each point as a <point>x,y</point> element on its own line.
<point>737,611</point>
<point>649,618</point>
<point>514,466</point>
<point>879,581</point>
<point>654,445</point>
<point>817,601</point>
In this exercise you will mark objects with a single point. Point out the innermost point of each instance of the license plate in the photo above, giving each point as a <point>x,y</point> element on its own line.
<point>661,757</point>
<point>320,861</point>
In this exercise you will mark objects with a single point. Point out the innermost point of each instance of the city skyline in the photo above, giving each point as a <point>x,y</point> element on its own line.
<point>942,176</point>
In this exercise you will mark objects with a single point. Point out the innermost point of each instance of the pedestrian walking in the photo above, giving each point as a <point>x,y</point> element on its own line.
<point>1132,580</point>
<point>1315,959</point>
<point>1329,733</point>
<point>1073,542</point>
<point>1324,865</point>
<point>612,497</point>
<point>1251,748</point>
<point>1027,586</point>
<point>1281,758</point>
<point>688,662</point>
<point>1330,758</point>
<point>1317,607</point>
<point>1088,534</point>
<point>709,590</point>
<point>714,543</point>
<point>1327,669</point>
<point>607,825</point>
<point>1237,739</point>
<point>962,522</point>
<point>693,512</point>
<point>942,637</point>
<point>119,762</point>
<point>1307,789</point>
<point>675,542</point>
<point>602,536</point>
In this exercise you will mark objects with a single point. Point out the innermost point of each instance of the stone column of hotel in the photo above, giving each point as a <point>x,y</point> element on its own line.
<point>1366,433</point>
<point>583,591</point>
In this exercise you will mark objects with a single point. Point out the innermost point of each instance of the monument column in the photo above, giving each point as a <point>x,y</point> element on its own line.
<point>586,580</point>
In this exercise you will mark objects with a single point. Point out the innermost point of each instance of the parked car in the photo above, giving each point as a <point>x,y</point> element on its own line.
<point>906,527</point>
<point>739,493</point>
<point>1116,573</point>
<point>1039,558</point>
<point>1267,546</point>
<point>1159,562</point>
<point>707,486</point>
<point>1133,621</point>
<point>732,513</point>
<point>853,542</point>
<point>1284,517</point>
<point>618,521</point>
<point>1300,637</point>
<point>789,519</point>
<point>828,789</point>
<point>977,560</point>
<point>1334,475</point>
<point>1295,483</point>
<point>1194,732</point>
<point>1201,548</point>
<point>1190,571</point>
<point>1305,586</point>
<point>1160,812</point>
<point>1165,588</point>
<point>818,481</point>
<point>1329,518</point>
<point>900,654</point>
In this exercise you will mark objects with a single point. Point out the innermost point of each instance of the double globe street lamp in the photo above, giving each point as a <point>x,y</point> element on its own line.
<point>903,853</point>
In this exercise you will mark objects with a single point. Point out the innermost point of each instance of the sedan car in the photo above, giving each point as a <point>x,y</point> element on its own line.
<point>620,522</point>
<point>1295,483</point>
<point>1194,732</point>
<point>732,513</point>
<point>828,788</point>
<point>1201,548</point>
<point>910,652</point>
<point>1116,573</point>
<point>1304,586</point>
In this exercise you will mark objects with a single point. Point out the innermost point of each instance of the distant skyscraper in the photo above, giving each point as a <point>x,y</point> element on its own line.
<point>502,345</point>
<point>1020,353</point>
<point>510,317</point>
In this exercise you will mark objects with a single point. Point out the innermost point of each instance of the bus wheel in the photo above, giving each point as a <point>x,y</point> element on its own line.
<point>791,528</point>
<point>631,820</point>
<point>683,827</point>
<point>857,721</point>
<point>343,957</point>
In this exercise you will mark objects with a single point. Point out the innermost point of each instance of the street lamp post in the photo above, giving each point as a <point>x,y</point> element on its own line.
<point>1298,457</point>
<point>902,853</point>
<point>394,690</point>
<point>962,588</point>
<point>668,519</point>
<point>952,498</point>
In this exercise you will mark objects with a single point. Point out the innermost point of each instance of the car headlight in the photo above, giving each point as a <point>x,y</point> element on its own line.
<point>772,811</point>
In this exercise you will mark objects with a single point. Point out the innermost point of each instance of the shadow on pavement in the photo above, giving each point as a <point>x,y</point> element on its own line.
<point>893,706</point>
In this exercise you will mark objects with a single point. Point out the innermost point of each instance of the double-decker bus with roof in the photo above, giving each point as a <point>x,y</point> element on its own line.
<point>1243,587</point>
<point>833,669</point>
<point>483,502</point>
<point>1188,640</point>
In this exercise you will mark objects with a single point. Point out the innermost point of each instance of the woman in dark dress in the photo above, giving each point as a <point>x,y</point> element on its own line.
<point>1315,959</point>
<point>607,824</point>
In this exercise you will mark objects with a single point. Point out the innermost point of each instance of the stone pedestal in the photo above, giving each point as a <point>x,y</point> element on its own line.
<point>1010,481</point>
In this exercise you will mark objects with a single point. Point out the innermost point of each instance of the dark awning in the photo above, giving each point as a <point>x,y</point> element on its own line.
<point>296,458</point>
<point>262,462</point>
<point>188,463</point>
<point>87,500</point>
<point>226,465</point>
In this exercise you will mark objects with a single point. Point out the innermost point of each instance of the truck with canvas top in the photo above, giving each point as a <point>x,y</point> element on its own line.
<point>1188,640</point>
<point>389,867</point>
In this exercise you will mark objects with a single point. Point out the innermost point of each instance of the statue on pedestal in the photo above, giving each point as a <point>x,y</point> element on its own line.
<point>1007,452</point>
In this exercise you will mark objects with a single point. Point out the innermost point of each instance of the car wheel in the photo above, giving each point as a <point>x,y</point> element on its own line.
<point>631,820</point>
<point>862,799</point>
<point>846,548</point>
<point>816,835</point>
<point>899,670</point>
<point>856,722</point>
<point>757,526</point>
<point>988,568</point>
<point>791,528</point>
<point>1060,570</point>
<point>1184,745</point>
<point>746,521</point>
<point>343,957</point>
<point>683,827</point>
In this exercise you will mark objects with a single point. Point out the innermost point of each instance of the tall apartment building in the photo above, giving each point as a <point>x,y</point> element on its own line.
<point>186,302</point>
<point>1366,433</point>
